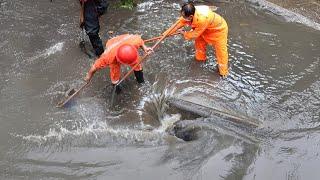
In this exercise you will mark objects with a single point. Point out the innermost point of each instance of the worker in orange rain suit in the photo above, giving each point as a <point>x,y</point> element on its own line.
<point>121,49</point>
<point>207,28</point>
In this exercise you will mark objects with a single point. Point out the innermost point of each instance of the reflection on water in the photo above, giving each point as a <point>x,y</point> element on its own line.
<point>274,77</point>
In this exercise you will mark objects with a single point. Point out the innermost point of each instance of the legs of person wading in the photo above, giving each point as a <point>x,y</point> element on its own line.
<point>139,78</point>
<point>128,55</point>
<point>91,12</point>
<point>96,43</point>
<point>92,29</point>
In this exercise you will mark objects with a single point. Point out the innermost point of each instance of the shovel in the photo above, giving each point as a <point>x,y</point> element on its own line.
<point>70,94</point>
<point>159,37</point>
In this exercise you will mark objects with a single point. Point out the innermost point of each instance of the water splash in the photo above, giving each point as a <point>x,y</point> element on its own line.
<point>156,104</point>
<point>48,52</point>
<point>98,134</point>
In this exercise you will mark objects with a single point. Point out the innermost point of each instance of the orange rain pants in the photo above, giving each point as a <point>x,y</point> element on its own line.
<point>108,58</point>
<point>208,28</point>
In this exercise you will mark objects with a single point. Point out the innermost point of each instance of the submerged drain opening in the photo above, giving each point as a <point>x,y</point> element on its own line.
<point>186,133</point>
<point>189,133</point>
<point>196,119</point>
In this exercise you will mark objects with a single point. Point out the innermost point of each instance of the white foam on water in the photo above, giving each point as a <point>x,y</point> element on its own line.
<point>52,50</point>
<point>166,93</point>
<point>99,130</point>
<point>48,52</point>
<point>167,122</point>
<point>88,125</point>
<point>144,6</point>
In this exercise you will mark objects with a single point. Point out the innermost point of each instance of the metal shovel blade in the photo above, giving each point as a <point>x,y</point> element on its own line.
<point>68,94</point>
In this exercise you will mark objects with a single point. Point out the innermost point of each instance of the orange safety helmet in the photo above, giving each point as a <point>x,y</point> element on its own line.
<point>127,54</point>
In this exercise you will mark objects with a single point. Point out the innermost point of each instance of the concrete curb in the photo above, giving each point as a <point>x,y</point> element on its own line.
<point>288,15</point>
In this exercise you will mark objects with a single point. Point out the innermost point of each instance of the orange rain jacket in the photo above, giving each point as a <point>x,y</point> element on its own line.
<point>108,58</point>
<point>207,28</point>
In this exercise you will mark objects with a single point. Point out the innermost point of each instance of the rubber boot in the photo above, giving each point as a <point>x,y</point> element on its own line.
<point>139,76</point>
<point>118,88</point>
<point>96,44</point>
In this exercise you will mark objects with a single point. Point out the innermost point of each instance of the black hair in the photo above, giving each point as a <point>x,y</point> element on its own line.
<point>188,9</point>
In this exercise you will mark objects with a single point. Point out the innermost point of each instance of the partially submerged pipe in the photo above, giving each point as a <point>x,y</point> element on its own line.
<point>205,111</point>
<point>244,128</point>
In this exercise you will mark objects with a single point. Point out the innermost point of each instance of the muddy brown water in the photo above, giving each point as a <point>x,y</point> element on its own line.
<point>274,77</point>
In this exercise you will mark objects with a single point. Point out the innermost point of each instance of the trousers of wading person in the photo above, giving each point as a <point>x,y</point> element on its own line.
<point>91,11</point>
<point>208,28</point>
<point>120,50</point>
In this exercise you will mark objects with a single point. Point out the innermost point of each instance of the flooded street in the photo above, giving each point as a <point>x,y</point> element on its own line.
<point>274,78</point>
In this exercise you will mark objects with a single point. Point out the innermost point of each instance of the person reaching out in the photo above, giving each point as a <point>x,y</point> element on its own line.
<point>120,50</point>
<point>208,28</point>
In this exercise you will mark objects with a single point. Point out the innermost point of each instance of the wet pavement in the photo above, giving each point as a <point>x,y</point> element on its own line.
<point>290,11</point>
<point>308,8</point>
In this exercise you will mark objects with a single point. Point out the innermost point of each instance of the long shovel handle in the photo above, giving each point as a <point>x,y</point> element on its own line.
<point>158,37</point>
<point>65,101</point>
<point>146,54</point>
